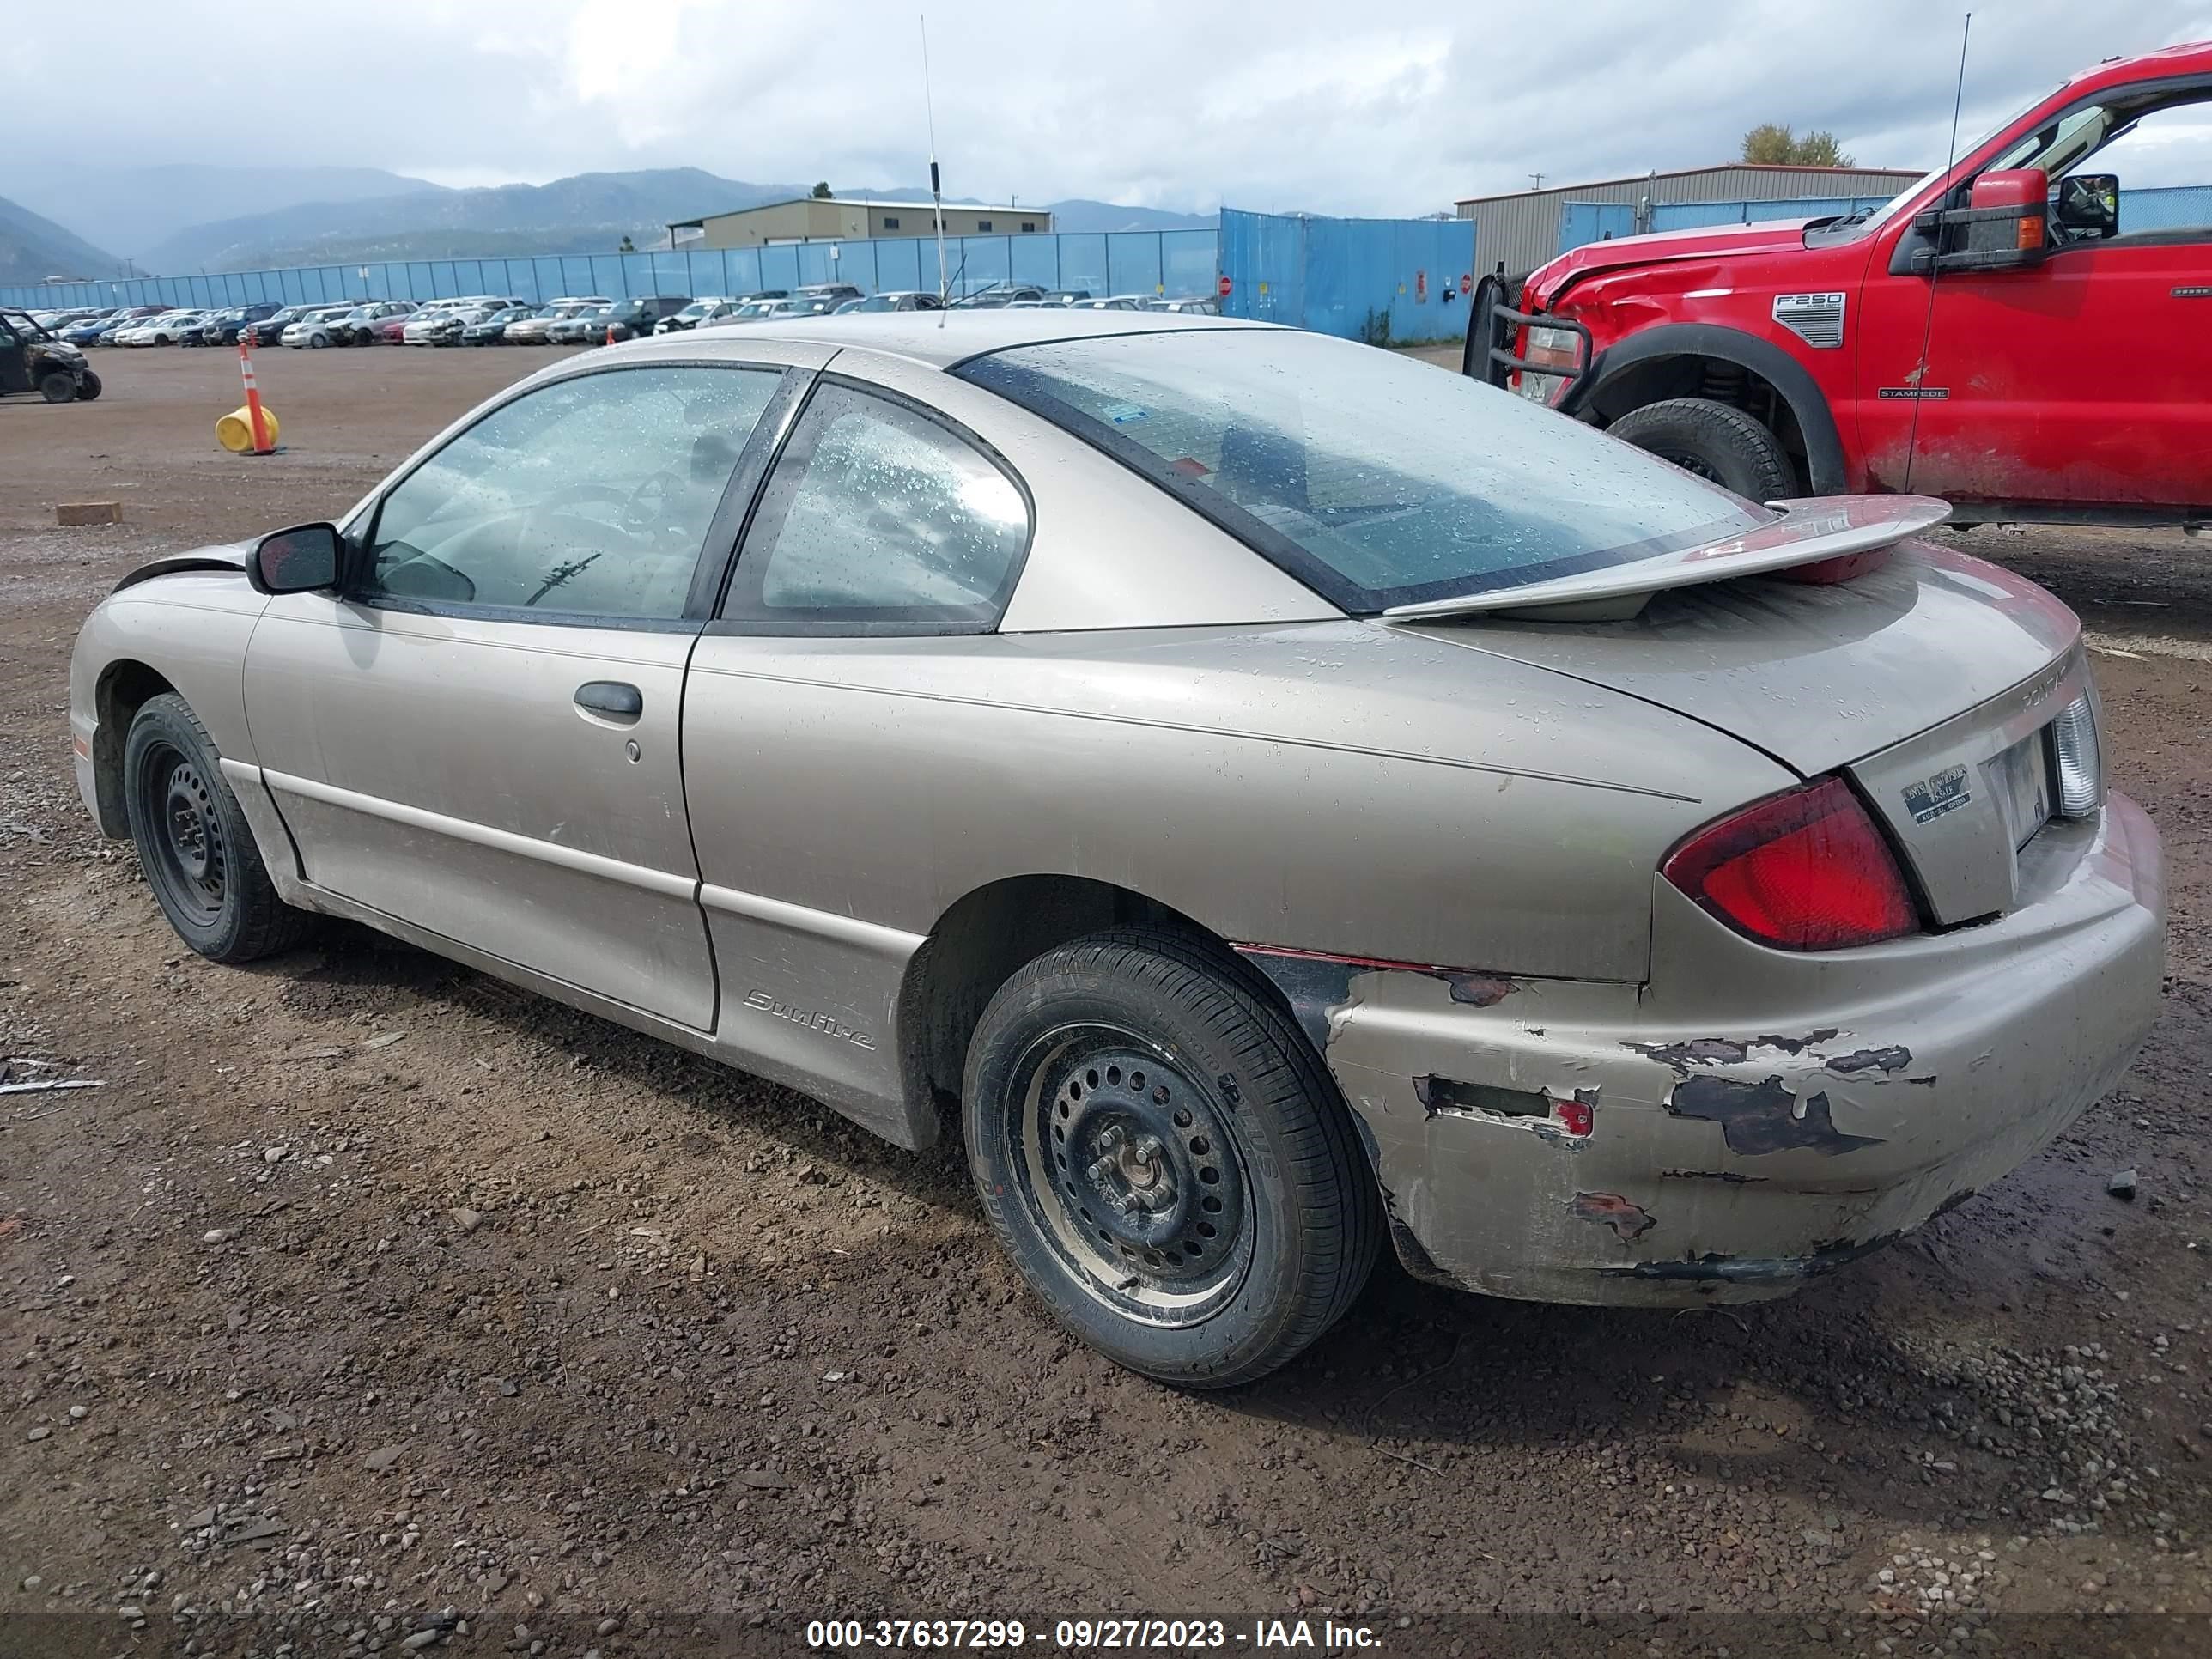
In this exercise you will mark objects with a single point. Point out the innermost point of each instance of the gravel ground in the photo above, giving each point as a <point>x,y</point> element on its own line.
<point>372,1306</point>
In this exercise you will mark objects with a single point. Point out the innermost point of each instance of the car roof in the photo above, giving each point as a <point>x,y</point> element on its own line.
<point>940,339</point>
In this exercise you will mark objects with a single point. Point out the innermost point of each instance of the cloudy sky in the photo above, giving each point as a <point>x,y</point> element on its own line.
<point>1332,107</point>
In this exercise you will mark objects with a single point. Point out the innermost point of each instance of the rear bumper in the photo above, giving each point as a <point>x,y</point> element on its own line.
<point>1741,1140</point>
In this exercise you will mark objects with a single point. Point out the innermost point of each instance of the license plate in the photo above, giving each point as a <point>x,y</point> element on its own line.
<point>2022,777</point>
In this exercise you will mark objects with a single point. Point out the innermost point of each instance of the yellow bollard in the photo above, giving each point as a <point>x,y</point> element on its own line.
<point>234,431</point>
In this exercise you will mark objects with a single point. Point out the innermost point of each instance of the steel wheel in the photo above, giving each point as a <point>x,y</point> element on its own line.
<point>1163,1158</point>
<point>194,844</point>
<point>1131,1171</point>
<point>190,854</point>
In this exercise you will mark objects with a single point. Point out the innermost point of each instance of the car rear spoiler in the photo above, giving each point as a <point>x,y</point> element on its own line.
<point>1842,536</point>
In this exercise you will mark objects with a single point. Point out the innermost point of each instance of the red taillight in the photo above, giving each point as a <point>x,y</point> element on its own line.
<point>1804,870</point>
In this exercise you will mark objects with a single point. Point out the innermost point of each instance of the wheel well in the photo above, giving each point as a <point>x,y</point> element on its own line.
<point>1693,375</point>
<point>125,688</point>
<point>984,939</point>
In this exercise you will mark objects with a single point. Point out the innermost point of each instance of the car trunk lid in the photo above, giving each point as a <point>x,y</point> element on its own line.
<point>1931,681</point>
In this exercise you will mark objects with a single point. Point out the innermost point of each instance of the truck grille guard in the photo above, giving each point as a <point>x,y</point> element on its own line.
<point>1492,322</point>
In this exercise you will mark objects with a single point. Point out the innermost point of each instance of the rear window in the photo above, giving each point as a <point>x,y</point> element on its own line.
<point>1376,479</point>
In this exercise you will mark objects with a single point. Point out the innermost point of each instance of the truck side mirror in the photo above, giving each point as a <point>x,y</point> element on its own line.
<point>2002,227</point>
<point>2090,204</point>
<point>300,559</point>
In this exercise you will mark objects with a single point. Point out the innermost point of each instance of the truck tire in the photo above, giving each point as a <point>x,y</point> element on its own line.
<point>1717,441</point>
<point>1162,1154</point>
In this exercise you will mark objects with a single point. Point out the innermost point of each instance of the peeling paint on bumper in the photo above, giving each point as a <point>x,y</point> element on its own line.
<point>1751,1122</point>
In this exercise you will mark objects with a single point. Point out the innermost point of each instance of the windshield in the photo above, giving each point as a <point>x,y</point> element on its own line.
<point>1377,480</point>
<point>22,323</point>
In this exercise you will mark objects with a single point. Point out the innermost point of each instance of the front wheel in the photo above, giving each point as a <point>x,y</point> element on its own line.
<point>194,845</point>
<point>1717,441</point>
<point>1166,1161</point>
<point>88,387</point>
<point>58,386</point>
<point>317,341</point>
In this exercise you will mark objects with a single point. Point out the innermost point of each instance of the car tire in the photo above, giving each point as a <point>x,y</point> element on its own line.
<point>58,386</point>
<point>194,846</point>
<point>317,341</point>
<point>88,387</point>
<point>1163,1155</point>
<point>1717,441</point>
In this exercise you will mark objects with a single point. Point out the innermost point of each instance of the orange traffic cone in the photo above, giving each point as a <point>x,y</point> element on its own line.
<point>610,333</point>
<point>260,425</point>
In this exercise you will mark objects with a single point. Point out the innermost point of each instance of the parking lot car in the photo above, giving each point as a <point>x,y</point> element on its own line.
<point>702,307</point>
<point>642,314</point>
<point>1954,341</point>
<point>362,326</point>
<point>993,298</point>
<point>491,329</point>
<point>223,327</point>
<point>899,300</point>
<point>537,330</point>
<point>758,309</point>
<point>440,322</point>
<point>167,329</point>
<point>835,293</point>
<point>269,330</point>
<point>88,331</point>
<point>1111,302</point>
<point>315,328</point>
<point>587,326</point>
<point>1183,306</point>
<point>1603,886</point>
<point>33,358</point>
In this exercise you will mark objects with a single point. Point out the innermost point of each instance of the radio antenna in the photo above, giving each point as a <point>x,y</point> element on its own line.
<point>936,193</point>
<point>1935,264</point>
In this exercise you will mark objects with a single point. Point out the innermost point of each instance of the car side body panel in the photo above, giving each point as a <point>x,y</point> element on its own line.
<point>847,793</point>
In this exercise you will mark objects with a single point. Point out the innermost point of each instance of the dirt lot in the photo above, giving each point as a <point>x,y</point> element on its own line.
<point>370,1304</point>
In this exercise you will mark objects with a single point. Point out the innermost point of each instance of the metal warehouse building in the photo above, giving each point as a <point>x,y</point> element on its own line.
<point>849,218</point>
<point>1522,229</point>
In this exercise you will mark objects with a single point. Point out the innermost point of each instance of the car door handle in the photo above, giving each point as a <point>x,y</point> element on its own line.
<point>610,700</point>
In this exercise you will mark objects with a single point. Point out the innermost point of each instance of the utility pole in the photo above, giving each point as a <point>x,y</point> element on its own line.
<point>1535,181</point>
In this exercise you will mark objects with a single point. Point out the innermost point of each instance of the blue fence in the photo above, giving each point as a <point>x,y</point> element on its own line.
<point>1583,223</point>
<point>1171,262</point>
<point>1394,280</point>
<point>2177,207</point>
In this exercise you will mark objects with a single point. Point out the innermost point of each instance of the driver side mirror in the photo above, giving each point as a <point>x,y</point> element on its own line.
<point>301,560</point>
<point>2000,229</point>
<point>2090,204</point>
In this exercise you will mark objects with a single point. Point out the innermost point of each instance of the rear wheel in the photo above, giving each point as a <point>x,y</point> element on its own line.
<point>1166,1161</point>
<point>58,386</point>
<point>1715,441</point>
<point>196,849</point>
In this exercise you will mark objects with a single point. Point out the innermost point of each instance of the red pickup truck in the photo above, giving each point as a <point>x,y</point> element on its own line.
<point>1995,335</point>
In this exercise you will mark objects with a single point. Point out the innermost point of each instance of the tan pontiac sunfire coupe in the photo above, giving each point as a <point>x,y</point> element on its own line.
<point>1271,795</point>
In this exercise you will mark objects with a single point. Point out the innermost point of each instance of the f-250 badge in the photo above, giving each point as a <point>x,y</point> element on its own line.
<point>1943,791</point>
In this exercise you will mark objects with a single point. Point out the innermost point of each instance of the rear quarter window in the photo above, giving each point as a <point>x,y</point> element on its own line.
<point>1376,479</point>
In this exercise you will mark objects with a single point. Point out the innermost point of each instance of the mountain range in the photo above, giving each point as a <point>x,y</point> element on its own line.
<point>184,219</point>
<point>33,248</point>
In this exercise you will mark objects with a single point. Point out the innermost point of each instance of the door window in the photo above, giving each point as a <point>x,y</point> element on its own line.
<point>878,515</point>
<point>589,496</point>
